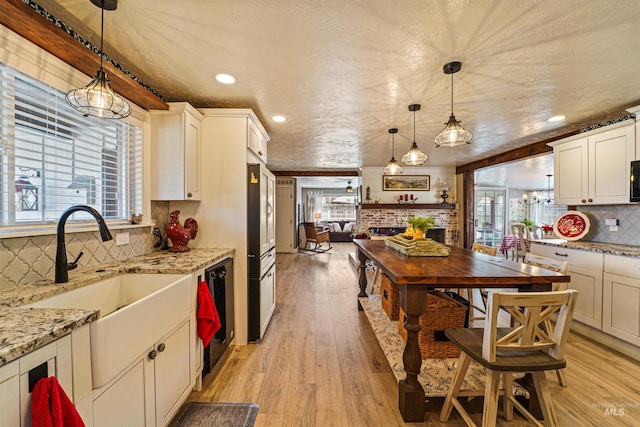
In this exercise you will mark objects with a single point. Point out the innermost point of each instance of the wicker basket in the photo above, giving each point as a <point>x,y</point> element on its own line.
<point>442,312</point>
<point>390,297</point>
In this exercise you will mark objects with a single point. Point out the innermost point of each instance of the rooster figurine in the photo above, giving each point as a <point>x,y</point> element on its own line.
<point>180,235</point>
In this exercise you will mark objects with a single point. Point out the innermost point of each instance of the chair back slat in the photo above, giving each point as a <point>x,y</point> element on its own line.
<point>530,311</point>
<point>558,266</point>
<point>484,249</point>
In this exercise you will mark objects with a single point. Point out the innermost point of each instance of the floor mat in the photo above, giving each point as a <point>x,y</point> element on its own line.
<point>201,414</point>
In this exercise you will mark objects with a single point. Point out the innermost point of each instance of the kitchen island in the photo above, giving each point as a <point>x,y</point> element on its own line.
<point>415,276</point>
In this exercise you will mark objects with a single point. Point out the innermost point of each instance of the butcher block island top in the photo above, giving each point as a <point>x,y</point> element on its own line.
<point>415,276</point>
<point>23,330</point>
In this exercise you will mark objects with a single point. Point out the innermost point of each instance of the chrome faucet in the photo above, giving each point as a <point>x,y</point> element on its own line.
<point>62,268</point>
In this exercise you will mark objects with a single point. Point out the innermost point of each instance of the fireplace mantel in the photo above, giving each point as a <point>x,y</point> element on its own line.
<point>407,206</point>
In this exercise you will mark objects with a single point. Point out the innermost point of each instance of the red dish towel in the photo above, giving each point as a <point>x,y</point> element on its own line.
<point>51,407</point>
<point>207,315</point>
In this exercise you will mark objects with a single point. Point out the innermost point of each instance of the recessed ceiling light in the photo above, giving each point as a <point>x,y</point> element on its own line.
<point>556,119</point>
<point>227,79</point>
<point>279,118</point>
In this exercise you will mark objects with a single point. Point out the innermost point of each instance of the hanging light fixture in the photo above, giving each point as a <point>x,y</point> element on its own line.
<point>97,98</point>
<point>393,168</point>
<point>453,133</point>
<point>349,188</point>
<point>414,156</point>
<point>549,199</point>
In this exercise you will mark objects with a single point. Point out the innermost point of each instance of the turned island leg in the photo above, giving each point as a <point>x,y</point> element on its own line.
<point>362,277</point>
<point>411,395</point>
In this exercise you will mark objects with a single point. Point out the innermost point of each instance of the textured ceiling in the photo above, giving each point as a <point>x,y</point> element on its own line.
<point>343,72</point>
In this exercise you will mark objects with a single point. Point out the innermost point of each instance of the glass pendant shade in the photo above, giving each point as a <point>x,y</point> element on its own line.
<point>97,98</point>
<point>414,157</point>
<point>393,168</point>
<point>349,188</point>
<point>453,133</point>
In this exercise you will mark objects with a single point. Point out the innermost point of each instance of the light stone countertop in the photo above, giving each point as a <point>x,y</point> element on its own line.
<point>23,330</point>
<point>606,248</point>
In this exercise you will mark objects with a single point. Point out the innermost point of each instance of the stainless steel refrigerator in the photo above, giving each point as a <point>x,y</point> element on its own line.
<point>261,250</point>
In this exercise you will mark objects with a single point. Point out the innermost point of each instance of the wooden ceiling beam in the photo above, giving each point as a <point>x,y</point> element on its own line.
<point>520,153</point>
<point>23,20</point>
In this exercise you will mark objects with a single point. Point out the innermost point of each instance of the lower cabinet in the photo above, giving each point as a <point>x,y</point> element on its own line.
<point>10,393</point>
<point>621,298</point>
<point>150,391</point>
<point>585,269</point>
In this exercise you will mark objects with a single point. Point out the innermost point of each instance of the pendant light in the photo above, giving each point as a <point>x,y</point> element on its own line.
<point>393,168</point>
<point>414,157</point>
<point>549,199</point>
<point>97,98</point>
<point>349,188</point>
<point>453,133</point>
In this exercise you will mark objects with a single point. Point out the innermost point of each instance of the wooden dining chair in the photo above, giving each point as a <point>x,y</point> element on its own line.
<point>317,238</point>
<point>521,235</point>
<point>558,267</point>
<point>536,232</point>
<point>526,347</point>
<point>473,305</point>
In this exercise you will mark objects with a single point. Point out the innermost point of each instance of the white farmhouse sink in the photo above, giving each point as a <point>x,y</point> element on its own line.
<point>135,311</point>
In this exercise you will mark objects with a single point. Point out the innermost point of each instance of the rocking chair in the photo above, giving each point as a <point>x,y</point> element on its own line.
<point>317,238</point>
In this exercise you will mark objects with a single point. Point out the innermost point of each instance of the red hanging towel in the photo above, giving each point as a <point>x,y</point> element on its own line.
<point>207,315</point>
<point>51,407</point>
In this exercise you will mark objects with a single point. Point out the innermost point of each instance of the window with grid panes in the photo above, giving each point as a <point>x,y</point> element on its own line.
<point>53,157</point>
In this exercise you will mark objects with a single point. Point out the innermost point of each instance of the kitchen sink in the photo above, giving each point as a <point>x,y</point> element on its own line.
<point>134,309</point>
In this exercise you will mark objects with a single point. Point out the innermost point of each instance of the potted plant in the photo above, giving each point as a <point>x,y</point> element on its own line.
<point>421,225</point>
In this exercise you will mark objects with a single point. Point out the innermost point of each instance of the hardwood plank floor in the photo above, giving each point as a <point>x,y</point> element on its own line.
<point>320,364</point>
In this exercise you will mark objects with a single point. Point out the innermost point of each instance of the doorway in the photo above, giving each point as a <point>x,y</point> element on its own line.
<point>490,214</point>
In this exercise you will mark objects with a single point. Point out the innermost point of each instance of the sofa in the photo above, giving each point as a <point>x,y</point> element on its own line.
<point>341,231</point>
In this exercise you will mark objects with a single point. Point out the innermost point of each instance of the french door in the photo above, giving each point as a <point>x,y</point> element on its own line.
<point>490,215</point>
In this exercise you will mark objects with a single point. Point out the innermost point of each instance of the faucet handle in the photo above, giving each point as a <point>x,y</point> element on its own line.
<point>73,265</point>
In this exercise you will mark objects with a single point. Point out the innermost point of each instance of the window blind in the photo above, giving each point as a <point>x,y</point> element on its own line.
<point>53,157</point>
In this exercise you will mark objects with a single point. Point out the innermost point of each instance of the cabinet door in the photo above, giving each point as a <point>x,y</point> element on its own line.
<point>10,394</point>
<point>589,305</point>
<point>621,307</point>
<point>256,142</point>
<point>610,155</point>
<point>271,211</point>
<point>267,298</point>
<point>172,377</point>
<point>123,402</point>
<point>193,168</point>
<point>570,164</point>
<point>267,210</point>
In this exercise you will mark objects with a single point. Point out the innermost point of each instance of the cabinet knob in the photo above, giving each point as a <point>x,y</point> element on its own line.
<point>191,195</point>
<point>161,347</point>
<point>584,201</point>
<point>259,153</point>
<point>152,354</point>
<point>590,200</point>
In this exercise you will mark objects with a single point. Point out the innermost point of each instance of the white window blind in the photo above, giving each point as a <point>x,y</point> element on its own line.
<point>53,157</point>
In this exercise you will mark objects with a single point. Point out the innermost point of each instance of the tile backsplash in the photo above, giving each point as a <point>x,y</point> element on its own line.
<point>28,259</point>
<point>628,217</point>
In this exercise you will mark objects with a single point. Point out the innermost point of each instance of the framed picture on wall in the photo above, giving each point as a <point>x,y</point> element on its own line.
<point>406,182</point>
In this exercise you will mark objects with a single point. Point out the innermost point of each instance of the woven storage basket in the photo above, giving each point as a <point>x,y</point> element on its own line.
<point>442,312</point>
<point>390,297</point>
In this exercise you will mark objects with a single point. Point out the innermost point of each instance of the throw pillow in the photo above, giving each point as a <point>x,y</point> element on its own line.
<point>348,226</point>
<point>336,226</point>
<point>331,229</point>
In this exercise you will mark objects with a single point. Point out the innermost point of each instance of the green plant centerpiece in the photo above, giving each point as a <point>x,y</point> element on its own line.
<point>420,225</point>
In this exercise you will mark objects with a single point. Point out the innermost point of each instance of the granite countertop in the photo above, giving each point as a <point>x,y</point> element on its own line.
<point>605,248</point>
<point>23,330</point>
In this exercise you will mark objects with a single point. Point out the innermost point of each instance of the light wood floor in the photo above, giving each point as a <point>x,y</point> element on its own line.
<point>319,363</point>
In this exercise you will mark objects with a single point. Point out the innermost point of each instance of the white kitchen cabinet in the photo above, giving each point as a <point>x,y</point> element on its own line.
<point>176,153</point>
<point>268,210</point>
<point>257,141</point>
<point>621,298</point>
<point>10,393</point>
<point>594,167</point>
<point>150,391</point>
<point>586,271</point>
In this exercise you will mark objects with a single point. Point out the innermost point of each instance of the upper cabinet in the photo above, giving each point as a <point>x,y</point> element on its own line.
<point>257,141</point>
<point>176,147</point>
<point>594,167</point>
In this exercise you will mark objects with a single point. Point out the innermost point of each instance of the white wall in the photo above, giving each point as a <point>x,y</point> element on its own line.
<point>372,178</point>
